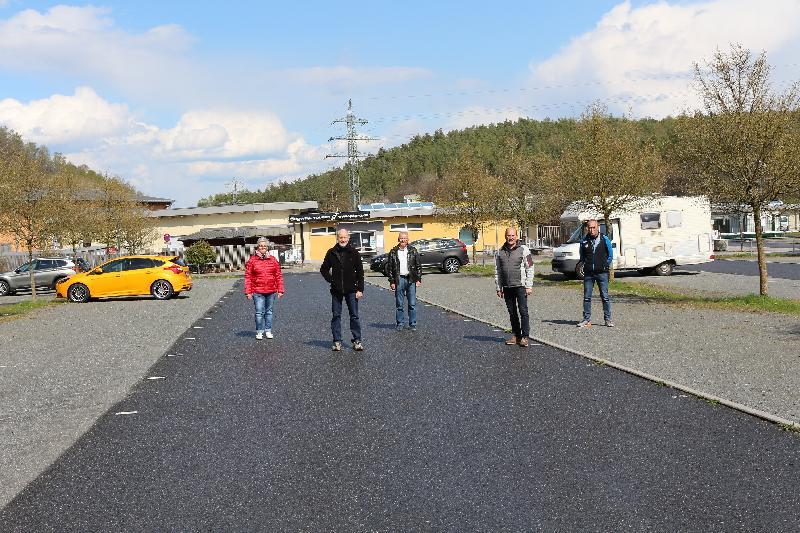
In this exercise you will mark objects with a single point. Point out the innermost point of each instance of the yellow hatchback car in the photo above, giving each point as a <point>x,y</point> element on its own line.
<point>163,276</point>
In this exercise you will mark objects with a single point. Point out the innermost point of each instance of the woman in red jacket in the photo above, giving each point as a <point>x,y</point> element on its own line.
<point>262,282</point>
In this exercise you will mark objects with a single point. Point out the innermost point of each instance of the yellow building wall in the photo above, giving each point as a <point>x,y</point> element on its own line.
<point>317,245</point>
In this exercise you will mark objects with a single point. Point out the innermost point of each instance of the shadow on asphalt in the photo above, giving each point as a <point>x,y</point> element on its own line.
<point>320,344</point>
<point>561,322</point>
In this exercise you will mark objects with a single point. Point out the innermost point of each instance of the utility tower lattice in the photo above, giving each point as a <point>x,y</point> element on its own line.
<point>233,185</point>
<point>353,155</point>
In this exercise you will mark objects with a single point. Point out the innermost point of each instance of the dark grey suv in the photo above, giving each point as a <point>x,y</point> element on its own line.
<point>47,271</point>
<point>448,255</point>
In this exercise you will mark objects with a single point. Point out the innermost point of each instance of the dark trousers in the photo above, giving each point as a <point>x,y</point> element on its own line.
<point>336,310</point>
<point>517,303</point>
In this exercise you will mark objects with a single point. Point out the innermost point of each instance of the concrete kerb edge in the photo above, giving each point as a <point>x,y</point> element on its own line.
<point>791,424</point>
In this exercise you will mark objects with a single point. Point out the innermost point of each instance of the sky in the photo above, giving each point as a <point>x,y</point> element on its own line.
<point>180,98</point>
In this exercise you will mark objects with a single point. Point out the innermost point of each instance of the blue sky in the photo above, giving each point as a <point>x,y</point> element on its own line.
<point>179,97</point>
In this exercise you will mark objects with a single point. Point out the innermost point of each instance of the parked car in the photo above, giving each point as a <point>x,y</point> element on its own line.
<point>163,276</point>
<point>448,255</point>
<point>47,272</point>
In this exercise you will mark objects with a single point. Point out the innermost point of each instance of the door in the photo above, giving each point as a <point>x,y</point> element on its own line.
<point>108,283</point>
<point>138,273</point>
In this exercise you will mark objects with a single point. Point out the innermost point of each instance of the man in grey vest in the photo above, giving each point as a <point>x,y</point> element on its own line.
<point>513,277</point>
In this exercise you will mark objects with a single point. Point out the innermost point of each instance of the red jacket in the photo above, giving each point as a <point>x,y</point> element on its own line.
<point>262,275</point>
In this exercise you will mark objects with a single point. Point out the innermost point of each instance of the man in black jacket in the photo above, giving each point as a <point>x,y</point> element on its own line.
<point>404,270</point>
<point>342,268</point>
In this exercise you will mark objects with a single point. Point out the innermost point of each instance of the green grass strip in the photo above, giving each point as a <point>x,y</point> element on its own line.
<point>752,303</point>
<point>21,308</point>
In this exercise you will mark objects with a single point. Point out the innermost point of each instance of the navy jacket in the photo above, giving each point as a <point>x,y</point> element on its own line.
<point>598,260</point>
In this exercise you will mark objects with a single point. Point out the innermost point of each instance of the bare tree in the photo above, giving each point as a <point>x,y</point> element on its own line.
<point>466,196</point>
<point>743,147</point>
<point>525,194</point>
<point>28,202</point>
<point>609,168</point>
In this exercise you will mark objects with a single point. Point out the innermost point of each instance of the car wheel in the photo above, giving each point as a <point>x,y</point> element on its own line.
<point>664,269</point>
<point>579,272</point>
<point>78,293</point>
<point>5,289</point>
<point>451,265</point>
<point>161,289</point>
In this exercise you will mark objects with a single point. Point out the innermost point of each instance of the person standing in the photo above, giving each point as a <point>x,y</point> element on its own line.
<point>513,277</point>
<point>342,268</point>
<point>596,255</point>
<point>404,271</point>
<point>263,281</point>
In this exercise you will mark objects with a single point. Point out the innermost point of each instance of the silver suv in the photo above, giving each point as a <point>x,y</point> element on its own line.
<point>47,271</point>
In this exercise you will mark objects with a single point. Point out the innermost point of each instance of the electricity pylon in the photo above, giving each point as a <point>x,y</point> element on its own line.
<point>353,155</point>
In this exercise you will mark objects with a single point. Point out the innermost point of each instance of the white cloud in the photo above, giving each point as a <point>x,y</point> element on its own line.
<point>83,42</point>
<point>642,58</point>
<point>63,119</point>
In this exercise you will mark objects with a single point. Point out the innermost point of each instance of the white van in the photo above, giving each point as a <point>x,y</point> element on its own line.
<point>663,232</point>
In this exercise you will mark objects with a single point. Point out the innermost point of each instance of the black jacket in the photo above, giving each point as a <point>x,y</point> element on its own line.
<point>598,260</point>
<point>342,268</point>
<point>393,265</point>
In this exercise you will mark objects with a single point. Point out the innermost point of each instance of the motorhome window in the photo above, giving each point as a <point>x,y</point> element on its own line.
<point>674,219</point>
<point>651,220</point>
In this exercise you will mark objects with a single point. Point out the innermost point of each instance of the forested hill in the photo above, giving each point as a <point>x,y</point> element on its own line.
<point>414,167</point>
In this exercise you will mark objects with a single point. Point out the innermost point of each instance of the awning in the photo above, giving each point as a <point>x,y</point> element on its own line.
<point>240,232</point>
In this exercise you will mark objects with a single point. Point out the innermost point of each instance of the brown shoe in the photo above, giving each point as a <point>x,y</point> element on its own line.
<point>523,342</point>
<point>512,341</point>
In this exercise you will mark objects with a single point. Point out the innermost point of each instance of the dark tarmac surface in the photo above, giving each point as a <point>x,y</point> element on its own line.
<point>444,428</point>
<point>747,268</point>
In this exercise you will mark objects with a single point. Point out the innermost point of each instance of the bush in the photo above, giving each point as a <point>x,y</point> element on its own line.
<point>200,253</point>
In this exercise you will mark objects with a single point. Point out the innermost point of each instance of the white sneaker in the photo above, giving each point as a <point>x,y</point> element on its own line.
<point>269,335</point>
<point>259,335</point>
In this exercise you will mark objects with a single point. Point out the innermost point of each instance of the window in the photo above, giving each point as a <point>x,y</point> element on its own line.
<point>43,264</point>
<point>406,226</point>
<point>329,230</point>
<point>137,263</point>
<point>114,266</point>
<point>674,219</point>
<point>651,220</point>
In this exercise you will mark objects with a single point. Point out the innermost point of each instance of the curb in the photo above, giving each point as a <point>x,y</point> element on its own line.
<point>769,417</point>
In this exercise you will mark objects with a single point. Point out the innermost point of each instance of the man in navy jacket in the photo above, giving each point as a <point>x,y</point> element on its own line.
<point>596,255</point>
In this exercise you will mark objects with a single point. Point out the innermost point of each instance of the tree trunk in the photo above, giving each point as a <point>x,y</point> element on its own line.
<point>762,263</point>
<point>610,235</point>
<point>30,271</point>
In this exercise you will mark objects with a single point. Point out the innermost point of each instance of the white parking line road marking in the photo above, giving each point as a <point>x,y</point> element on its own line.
<point>156,377</point>
<point>207,318</point>
<point>125,413</point>
<point>189,338</point>
<point>197,327</point>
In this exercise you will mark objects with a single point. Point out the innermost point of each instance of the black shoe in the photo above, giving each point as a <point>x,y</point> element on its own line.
<point>399,327</point>
<point>413,328</point>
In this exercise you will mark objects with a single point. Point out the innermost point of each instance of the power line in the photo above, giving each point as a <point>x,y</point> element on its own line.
<point>353,155</point>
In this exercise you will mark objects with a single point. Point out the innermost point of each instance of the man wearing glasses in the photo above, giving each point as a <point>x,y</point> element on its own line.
<point>596,255</point>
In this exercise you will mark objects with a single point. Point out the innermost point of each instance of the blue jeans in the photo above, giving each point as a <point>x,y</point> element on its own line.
<point>263,303</point>
<point>516,298</point>
<point>405,290</point>
<point>336,310</point>
<point>588,285</point>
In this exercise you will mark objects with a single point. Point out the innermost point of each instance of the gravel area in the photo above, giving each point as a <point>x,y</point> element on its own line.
<point>747,358</point>
<point>62,367</point>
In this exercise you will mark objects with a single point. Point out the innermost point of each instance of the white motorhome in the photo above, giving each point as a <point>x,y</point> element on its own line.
<point>663,232</point>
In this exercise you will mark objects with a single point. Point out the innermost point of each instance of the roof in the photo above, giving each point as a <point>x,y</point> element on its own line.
<point>410,209</point>
<point>239,208</point>
<point>239,232</point>
<point>152,199</point>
